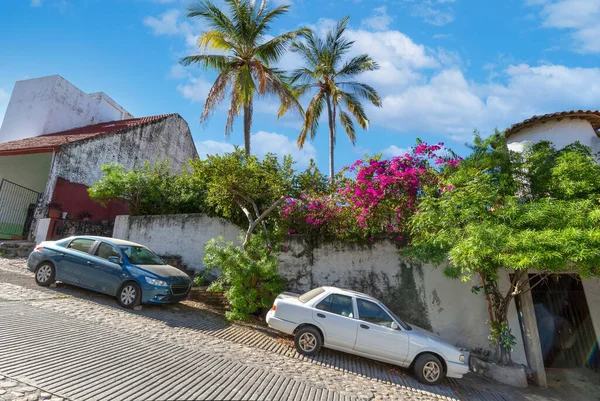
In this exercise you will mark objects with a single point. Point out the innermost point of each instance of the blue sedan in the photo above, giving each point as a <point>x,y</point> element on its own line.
<point>128,271</point>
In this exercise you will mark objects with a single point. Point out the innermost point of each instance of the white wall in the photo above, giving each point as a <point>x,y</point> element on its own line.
<point>30,171</point>
<point>421,294</point>
<point>52,104</point>
<point>175,235</point>
<point>561,133</point>
<point>169,138</point>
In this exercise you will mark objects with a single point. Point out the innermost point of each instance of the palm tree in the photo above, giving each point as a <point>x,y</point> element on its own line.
<point>334,85</point>
<point>246,53</point>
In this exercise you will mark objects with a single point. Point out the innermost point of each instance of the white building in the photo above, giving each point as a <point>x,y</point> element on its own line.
<point>51,104</point>
<point>53,141</point>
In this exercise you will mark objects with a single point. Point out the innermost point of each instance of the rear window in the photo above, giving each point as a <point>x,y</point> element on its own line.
<point>307,296</point>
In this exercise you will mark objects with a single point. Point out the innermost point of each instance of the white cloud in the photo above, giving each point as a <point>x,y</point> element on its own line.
<point>210,147</point>
<point>36,3</point>
<point>393,151</point>
<point>196,89</point>
<point>434,12</point>
<point>448,104</point>
<point>166,24</point>
<point>379,21</point>
<point>578,17</point>
<point>262,143</point>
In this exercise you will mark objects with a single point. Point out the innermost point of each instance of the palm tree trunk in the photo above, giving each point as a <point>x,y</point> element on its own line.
<point>247,126</point>
<point>331,138</point>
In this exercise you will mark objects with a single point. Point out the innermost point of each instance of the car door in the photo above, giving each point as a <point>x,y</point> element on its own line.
<point>376,336</point>
<point>76,259</point>
<point>335,314</point>
<point>104,275</point>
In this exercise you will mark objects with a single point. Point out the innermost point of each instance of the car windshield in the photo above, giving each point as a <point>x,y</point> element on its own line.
<point>307,296</point>
<point>139,255</point>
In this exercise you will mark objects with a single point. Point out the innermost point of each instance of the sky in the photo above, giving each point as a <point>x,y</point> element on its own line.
<point>448,67</point>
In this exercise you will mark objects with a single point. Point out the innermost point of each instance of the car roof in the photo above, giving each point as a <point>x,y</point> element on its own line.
<point>114,241</point>
<point>349,292</point>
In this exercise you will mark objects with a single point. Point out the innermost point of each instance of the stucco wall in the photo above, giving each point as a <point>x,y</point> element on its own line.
<point>420,294</point>
<point>561,133</point>
<point>176,235</point>
<point>52,104</point>
<point>169,138</point>
<point>30,171</point>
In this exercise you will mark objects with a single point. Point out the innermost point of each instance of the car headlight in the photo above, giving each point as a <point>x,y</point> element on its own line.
<point>158,283</point>
<point>462,358</point>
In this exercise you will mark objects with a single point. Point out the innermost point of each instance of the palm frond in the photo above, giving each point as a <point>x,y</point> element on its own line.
<point>303,75</point>
<point>311,118</point>
<point>234,111</point>
<point>363,91</point>
<point>213,16</point>
<point>348,125</point>
<point>309,53</point>
<point>216,94</point>
<point>357,65</point>
<point>272,51</point>
<point>210,61</point>
<point>356,109</point>
<point>215,40</point>
<point>263,24</point>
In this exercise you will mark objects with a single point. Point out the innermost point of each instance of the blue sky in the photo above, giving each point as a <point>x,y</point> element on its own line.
<point>448,66</point>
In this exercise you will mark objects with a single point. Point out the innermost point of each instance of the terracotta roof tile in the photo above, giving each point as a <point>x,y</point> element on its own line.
<point>593,116</point>
<point>50,142</point>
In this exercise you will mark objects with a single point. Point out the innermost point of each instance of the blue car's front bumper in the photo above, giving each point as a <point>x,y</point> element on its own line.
<point>164,295</point>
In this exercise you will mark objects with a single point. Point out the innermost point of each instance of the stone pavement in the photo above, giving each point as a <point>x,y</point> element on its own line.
<point>92,325</point>
<point>12,390</point>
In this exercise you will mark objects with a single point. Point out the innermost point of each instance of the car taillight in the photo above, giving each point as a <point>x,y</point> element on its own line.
<point>38,248</point>
<point>274,307</point>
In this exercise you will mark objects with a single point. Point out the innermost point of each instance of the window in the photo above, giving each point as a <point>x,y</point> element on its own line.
<point>138,255</point>
<point>104,251</point>
<point>372,313</point>
<point>338,304</point>
<point>81,244</point>
<point>307,296</point>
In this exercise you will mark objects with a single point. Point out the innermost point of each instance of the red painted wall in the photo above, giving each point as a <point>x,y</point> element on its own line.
<point>74,199</point>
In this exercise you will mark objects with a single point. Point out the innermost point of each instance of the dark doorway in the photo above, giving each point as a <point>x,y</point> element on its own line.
<point>564,323</point>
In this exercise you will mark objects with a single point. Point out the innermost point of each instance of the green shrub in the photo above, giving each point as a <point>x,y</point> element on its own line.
<point>248,277</point>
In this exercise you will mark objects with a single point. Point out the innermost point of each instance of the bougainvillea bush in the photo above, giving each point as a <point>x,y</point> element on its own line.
<point>373,197</point>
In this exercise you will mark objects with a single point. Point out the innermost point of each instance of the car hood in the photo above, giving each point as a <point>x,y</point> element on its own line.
<point>424,334</point>
<point>165,271</point>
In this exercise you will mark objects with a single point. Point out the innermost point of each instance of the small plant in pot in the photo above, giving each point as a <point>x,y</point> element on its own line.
<point>85,216</point>
<point>54,210</point>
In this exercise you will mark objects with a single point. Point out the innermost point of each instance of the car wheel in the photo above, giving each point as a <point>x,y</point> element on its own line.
<point>45,274</point>
<point>429,369</point>
<point>130,295</point>
<point>308,341</point>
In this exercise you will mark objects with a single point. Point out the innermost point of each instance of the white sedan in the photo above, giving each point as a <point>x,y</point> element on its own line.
<point>359,324</point>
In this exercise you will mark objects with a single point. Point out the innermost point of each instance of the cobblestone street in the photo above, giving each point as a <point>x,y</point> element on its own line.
<point>75,344</point>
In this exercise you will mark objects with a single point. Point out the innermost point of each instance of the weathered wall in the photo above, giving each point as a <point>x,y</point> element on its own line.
<point>169,138</point>
<point>421,294</point>
<point>52,104</point>
<point>177,235</point>
<point>80,162</point>
<point>30,171</point>
<point>561,133</point>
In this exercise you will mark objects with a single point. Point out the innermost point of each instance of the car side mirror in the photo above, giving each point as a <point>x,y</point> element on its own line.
<point>394,326</point>
<point>115,259</point>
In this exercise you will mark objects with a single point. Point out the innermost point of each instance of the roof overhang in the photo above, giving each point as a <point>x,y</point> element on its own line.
<point>592,116</point>
<point>33,151</point>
